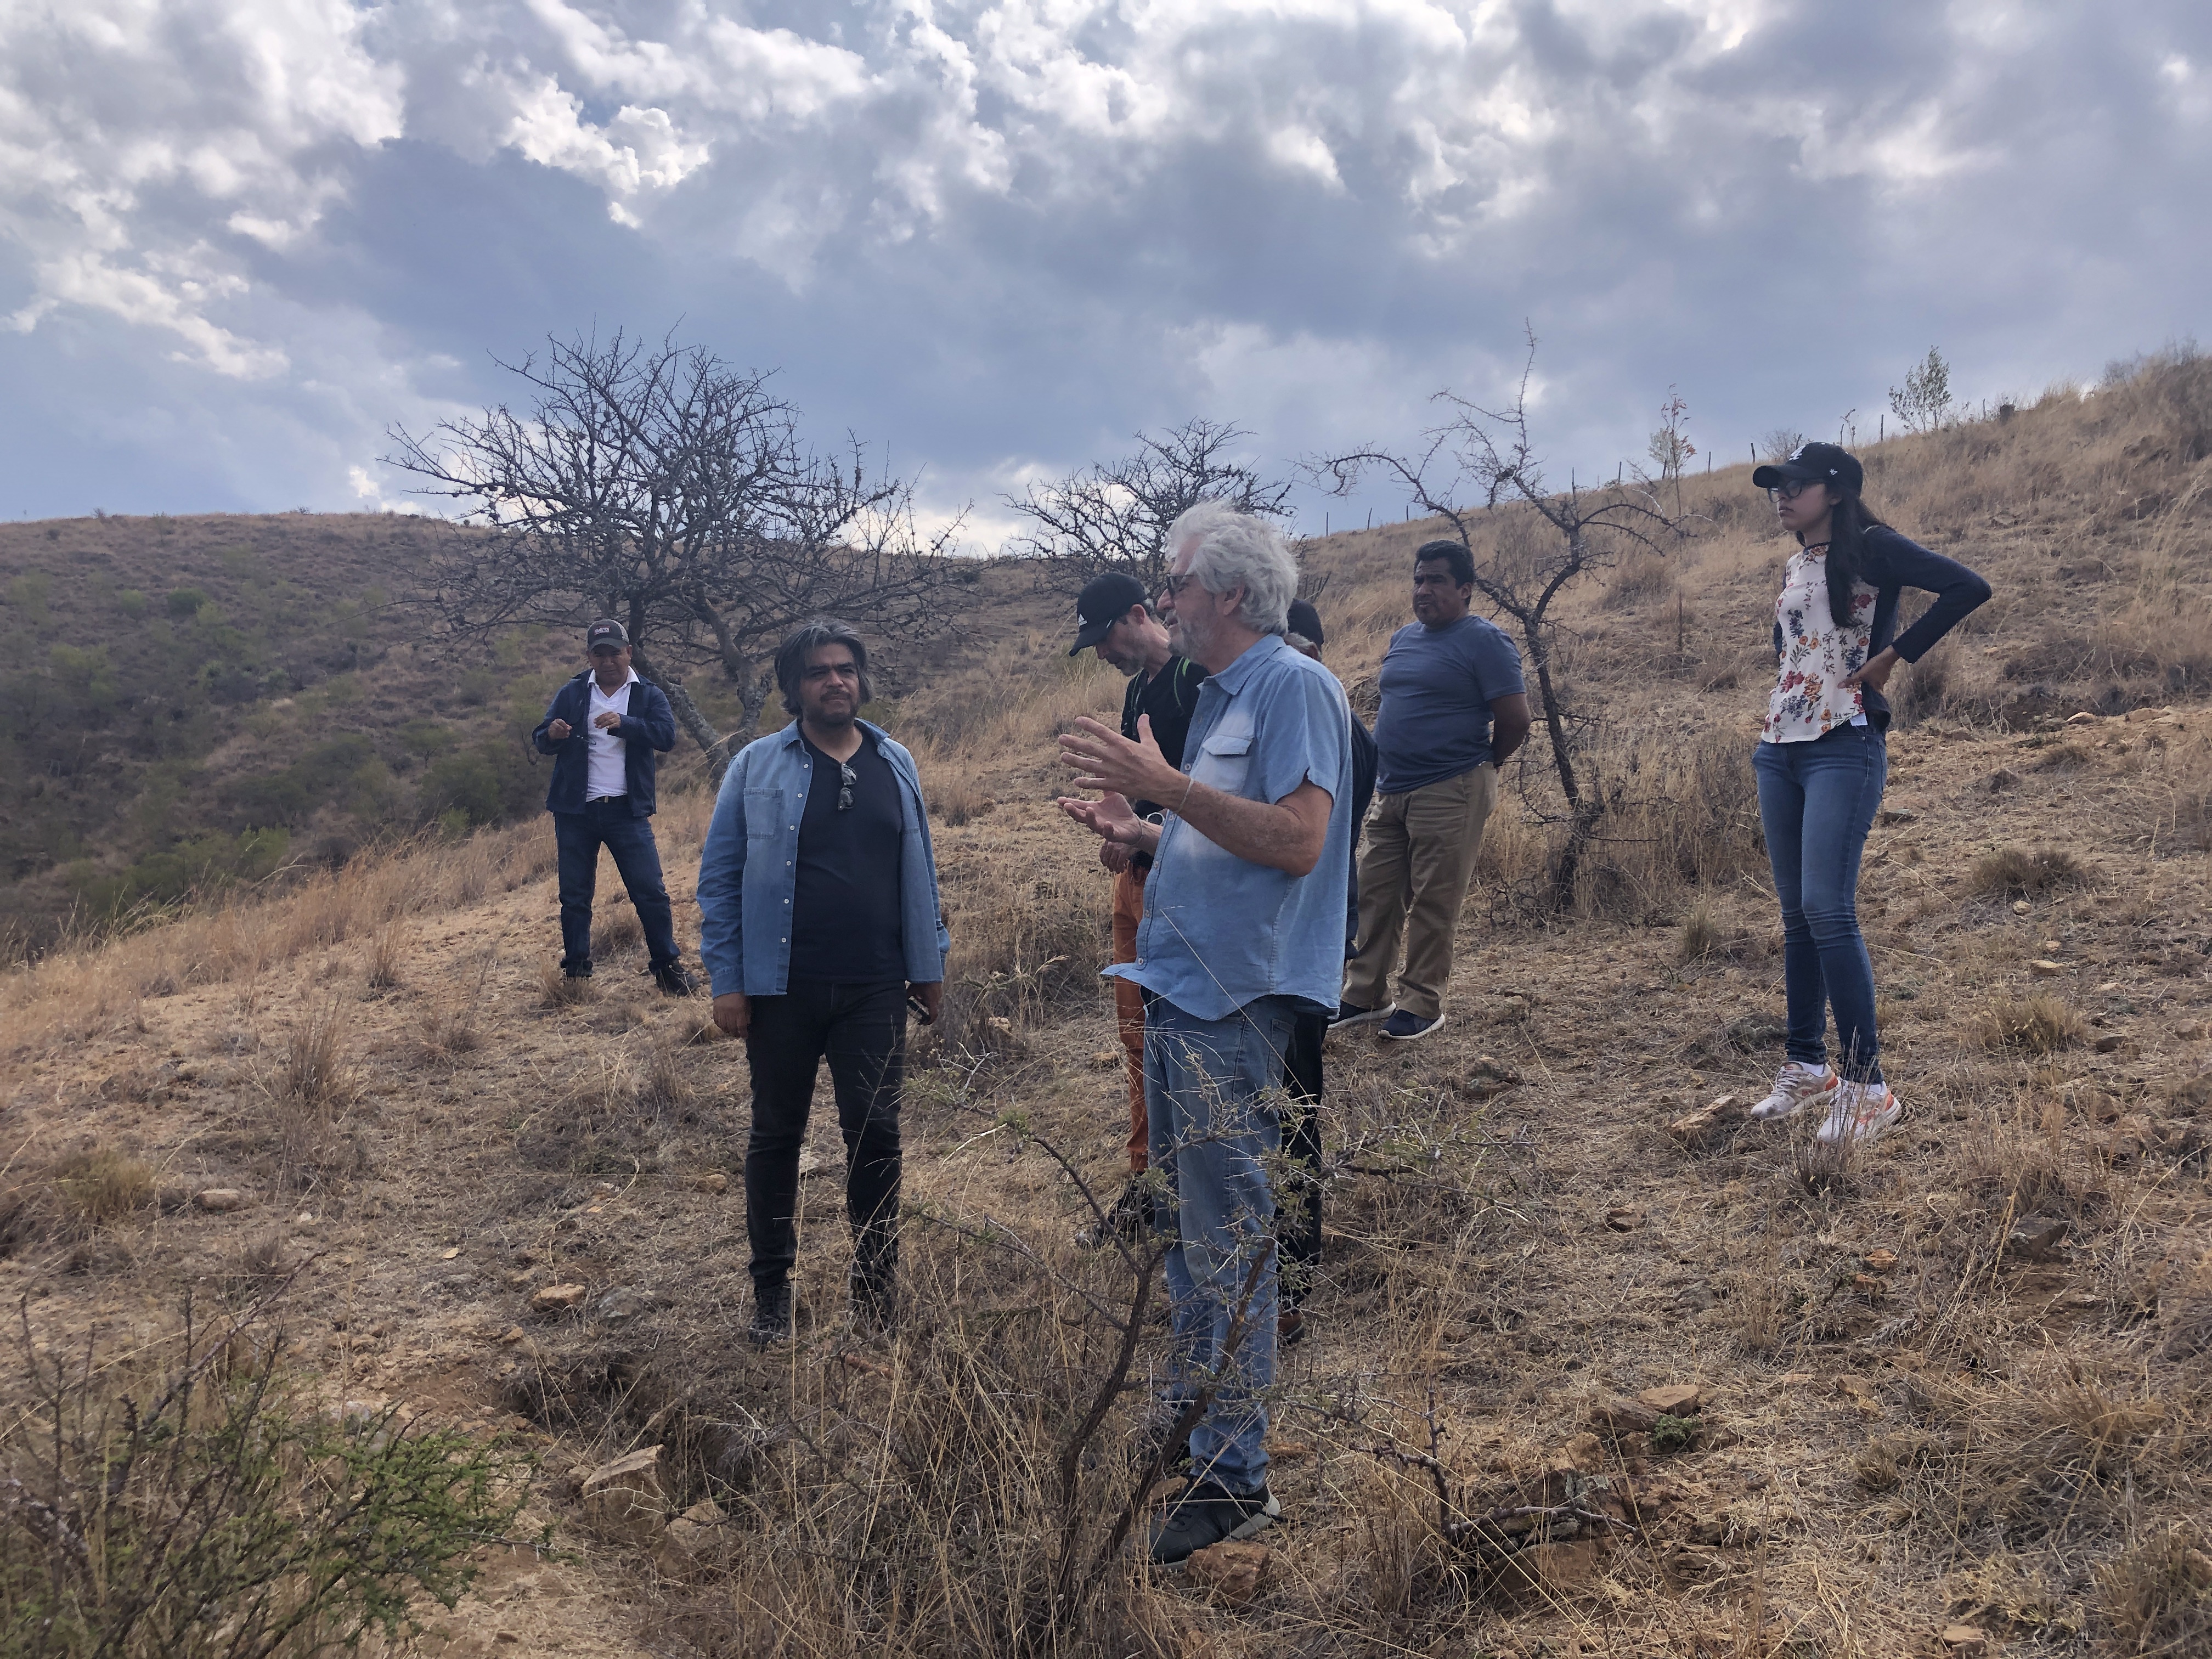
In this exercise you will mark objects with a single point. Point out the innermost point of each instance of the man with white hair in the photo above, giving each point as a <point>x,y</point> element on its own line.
<point>1243,931</point>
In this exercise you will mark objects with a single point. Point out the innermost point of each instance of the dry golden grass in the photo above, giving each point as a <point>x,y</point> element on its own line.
<point>1919,1406</point>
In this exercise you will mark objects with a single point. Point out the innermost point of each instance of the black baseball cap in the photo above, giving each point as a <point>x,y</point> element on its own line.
<point>606,631</point>
<point>1304,619</point>
<point>1104,601</point>
<point>1814,463</point>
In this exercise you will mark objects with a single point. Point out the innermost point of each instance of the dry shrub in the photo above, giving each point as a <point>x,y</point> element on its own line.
<point>1640,575</point>
<point>445,1032</point>
<point>601,1125</point>
<point>665,1088</point>
<point>2156,1595</point>
<point>2012,872</point>
<point>615,931</point>
<point>387,950</point>
<point>310,1091</point>
<point>102,1184</point>
<point>960,800</point>
<point>556,989</point>
<point>2041,1024</point>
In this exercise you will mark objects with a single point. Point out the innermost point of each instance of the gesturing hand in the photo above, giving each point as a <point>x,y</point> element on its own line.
<point>1112,818</point>
<point>559,731</point>
<point>1105,760</point>
<point>608,721</point>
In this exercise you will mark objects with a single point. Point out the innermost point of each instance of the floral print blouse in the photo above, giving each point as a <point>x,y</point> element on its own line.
<point>1810,699</point>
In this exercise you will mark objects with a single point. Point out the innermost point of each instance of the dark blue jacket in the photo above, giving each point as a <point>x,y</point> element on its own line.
<point>648,732</point>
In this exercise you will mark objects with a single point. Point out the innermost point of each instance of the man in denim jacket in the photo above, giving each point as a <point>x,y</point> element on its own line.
<point>819,920</point>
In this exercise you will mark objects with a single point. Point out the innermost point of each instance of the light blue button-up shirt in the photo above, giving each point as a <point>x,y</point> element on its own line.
<point>749,868</point>
<point>1220,931</point>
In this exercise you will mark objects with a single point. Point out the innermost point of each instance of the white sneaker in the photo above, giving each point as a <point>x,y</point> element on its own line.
<point>1795,1086</point>
<point>1860,1112</point>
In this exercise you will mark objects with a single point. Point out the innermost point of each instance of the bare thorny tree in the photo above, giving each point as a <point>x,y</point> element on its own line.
<point>1114,515</point>
<point>1479,466</point>
<point>657,485</point>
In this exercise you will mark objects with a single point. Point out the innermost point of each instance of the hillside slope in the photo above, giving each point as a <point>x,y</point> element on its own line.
<point>1960,1380</point>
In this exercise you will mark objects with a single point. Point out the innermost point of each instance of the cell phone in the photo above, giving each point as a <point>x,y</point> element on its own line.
<point>920,1013</point>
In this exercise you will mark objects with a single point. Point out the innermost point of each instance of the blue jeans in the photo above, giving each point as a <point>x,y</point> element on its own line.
<point>1817,800</point>
<point>1213,1094</point>
<point>579,836</point>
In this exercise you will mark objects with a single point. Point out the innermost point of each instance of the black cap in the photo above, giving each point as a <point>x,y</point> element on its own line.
<point>606,631</point>
<point>1816,463</point>
<point>1304,619</point>
<point>1104,601</point>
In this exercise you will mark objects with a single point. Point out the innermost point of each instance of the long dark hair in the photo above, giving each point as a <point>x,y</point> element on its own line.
<point>1849,521</point>
<point>809,637</point>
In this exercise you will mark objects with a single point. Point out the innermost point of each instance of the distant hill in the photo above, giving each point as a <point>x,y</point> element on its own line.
<point>199,700</point>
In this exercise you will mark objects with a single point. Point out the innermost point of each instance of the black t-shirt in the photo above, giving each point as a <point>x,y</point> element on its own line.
<point>1170,697</point>
<point>845,922</point>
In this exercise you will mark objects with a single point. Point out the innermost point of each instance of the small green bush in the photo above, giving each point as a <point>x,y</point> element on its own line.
<point>220,1509</point>
<point>185,603</point>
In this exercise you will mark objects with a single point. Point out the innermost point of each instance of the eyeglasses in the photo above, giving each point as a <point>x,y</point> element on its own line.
<point>1172,585</point>
<point>845,782</point>
<point>1791,489</point>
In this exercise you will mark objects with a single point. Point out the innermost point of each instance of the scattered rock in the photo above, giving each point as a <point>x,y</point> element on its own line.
<point>1675,1399</point>
<point>2021,907</point>
<point>2194,1095</point>
<point>1231,1570</point>
<point>2039,1238</point>
<point>511,1335</point>
<point>2044,967</point>
<point>624,1499</point>
<point>2144,716</point>
<point>714,1181</point>
<point>1965,1641</point>
<point>2085,718</point>
<point>2180,1139</point>
<point>1900,815</point>
<point>1880,1262</point>
<point>1584,1452</point>
<point>2130,1138</point>
<point>2193,1032</point>
<point>688,1539</point>
<point>558,1299</point>
<point>1701,1129</point>
<point>2003,778</point>
<point>625,1302</point>
<point>1626,1218</point>
<point>1620,1417</point>
<point>219,1200</point>
<point>2108,1043</point>
<point>448,1255</point>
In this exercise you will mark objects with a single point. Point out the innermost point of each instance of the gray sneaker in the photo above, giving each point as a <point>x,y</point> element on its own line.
<point>1205,1513</point>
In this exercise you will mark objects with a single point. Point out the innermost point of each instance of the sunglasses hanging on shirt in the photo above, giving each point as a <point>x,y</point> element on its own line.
<point>845,782</point>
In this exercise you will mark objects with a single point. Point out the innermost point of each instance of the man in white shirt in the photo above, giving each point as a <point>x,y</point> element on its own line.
<point>606,730</point>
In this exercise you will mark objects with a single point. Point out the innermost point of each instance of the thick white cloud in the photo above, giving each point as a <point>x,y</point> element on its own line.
<point>1002,235</point>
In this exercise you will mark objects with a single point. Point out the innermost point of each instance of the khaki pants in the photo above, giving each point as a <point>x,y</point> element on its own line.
<point>1129,1007</point>
<point>1413,874</point>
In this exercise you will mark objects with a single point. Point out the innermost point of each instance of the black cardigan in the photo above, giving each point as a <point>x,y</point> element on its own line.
<point>1893,563</point>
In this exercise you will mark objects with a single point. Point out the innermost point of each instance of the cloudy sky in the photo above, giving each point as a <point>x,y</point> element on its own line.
<point>241,239</point>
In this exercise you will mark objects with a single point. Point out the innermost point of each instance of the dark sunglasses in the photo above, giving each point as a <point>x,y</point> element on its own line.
<point>845,782</point>
<point>1790,490</point>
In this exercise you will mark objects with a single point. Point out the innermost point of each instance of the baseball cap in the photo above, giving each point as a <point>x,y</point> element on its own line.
<point>1304,619</point>
<point>606,631</point>
<point>1104,601</point>
<point>1819,463</point>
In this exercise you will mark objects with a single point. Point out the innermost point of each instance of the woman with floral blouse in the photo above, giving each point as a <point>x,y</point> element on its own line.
<point>1821,761</point>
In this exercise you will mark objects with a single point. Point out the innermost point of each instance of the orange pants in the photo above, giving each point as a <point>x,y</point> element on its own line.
<point>1129,1007</point>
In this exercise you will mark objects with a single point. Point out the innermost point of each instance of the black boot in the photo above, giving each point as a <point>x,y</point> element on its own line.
<point>771,1314</point>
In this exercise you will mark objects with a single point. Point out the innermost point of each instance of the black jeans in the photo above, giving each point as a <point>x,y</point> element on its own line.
<point>861,1029</point>
<point>1297,1226</point>
<point>579,836</point>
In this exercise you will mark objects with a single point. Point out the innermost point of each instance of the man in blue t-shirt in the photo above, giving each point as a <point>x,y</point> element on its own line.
<point>1453,709</point>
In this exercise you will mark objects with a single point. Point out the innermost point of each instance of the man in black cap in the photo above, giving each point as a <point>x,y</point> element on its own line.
<point>1113,619</point>
<point>606,730</point>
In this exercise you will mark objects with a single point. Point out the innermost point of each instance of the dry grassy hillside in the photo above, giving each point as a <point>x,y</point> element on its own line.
<point>1959,1382</point>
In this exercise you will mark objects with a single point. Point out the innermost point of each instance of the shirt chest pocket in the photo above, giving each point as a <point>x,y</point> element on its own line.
<point>1223,759</point>
<point>764,820</point>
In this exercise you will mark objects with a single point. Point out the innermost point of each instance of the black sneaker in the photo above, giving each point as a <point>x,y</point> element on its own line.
<point>1206,1513</point>
<point>1348,1015</point>
<point>771,1315</point>
<point>1405,1027</point>
<point>580,970</point>
<point>674,982</point>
